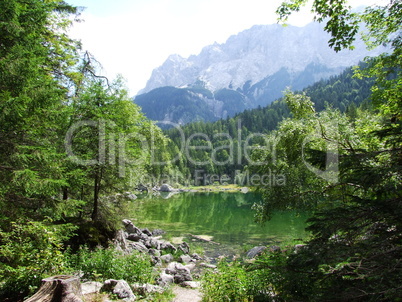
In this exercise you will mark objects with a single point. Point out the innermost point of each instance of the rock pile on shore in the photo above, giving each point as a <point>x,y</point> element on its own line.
<point>174,263</point>
<point>161,252</point>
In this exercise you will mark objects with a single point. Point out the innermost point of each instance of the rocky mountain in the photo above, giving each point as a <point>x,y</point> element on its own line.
<point>250,69</point>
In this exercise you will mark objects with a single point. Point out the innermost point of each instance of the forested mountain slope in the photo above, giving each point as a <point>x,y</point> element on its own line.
<point>344,92</point>
<point>250,69</point>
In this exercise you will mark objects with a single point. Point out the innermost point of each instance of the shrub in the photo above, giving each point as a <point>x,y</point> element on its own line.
<point>256,281</point>
<point>29,251</point>
<point>109,263</point>
<point>228,283</point>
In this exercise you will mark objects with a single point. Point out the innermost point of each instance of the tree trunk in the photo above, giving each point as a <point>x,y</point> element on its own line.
<point>97,180</point>
<point>58,289</point>
<point>97,186</point>
<point>65,193</point>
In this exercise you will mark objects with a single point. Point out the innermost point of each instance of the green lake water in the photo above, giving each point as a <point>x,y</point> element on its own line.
<point>225,218</point>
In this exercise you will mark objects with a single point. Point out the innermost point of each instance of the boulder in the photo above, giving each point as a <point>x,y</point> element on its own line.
<point>274,248</point>
<point>185,259</point>
<point>167,258</point>
<point>158,232</point>
<point>155,243</point>
<point>120,288</point>
<point>165,245</point>
<point>184,247</point>
<point>181,277</point>
<point>120,240</point>
<point>196,256</point>
<point>190,266</point>
<point>146,289</point>
<point>131,228</point>
<point>130,196</point>
<point>154,252</point>
<point>134,237</point>
<point>255,251</point>
<point>166,188</point>
<point>147,232</point>
<point>171,268</point>
<point>179,272</point>
<point>165,280</point>
<point>147,242</point>
<point>139,246</point>
<point>144,237</point>
<point>156,261</point>
<point>190,284</point>
<point>90,287</point>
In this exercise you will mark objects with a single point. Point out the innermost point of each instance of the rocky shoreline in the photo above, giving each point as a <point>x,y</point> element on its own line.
<point>166,188</point>
<point>175,265</point>
<point>176,262</point>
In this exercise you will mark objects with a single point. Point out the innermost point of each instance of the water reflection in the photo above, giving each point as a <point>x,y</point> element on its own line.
<point>227,217</point>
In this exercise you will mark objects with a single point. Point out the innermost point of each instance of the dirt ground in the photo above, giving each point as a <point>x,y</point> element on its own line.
<point>186,294</point>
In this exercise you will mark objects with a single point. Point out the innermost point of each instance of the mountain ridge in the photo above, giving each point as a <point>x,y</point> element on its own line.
<point>254,54</point>
<point>250,69</point>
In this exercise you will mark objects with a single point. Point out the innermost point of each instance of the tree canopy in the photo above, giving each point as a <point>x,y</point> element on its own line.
<point>69,141</point>
<point>354,253</point>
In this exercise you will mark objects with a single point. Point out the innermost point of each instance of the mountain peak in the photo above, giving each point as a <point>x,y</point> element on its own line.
<point>254,54</point>
<point>252,68</point>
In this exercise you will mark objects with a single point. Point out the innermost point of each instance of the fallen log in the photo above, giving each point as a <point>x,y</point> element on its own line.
<point>58,289</point>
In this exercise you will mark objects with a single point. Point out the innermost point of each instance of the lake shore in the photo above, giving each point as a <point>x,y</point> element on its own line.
<point>231,188</point>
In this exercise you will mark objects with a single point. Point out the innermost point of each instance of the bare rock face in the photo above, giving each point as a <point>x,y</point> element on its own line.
<point>253,55</point>
<point>251,69</point>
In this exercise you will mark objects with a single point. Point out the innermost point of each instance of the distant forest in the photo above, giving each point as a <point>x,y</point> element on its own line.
<point>344,92</point>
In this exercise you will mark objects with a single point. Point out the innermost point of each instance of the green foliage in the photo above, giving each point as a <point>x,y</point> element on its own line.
<point>228,283</point>
<point>46,88</point>
<point>108,263</point>
<point>355,240</point>
<point>340,22</point>
<point>29,252</point>
<point>355,250</point>
<point>35,61</point>
<point>109,139</point>
<point>383,26</point>
<point>306,151</point>
<point>343,92</point>
<point>237,281</point>
<point>299,104</point>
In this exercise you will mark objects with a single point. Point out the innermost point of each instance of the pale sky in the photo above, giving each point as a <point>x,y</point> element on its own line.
<point>133,37</point>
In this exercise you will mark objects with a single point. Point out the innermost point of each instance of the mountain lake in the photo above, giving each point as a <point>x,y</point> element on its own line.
<point>224,219</point>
